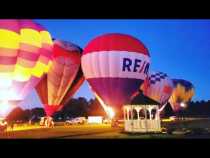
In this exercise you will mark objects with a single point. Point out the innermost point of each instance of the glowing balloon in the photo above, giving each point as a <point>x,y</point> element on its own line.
<point>25,54</point>
<point>158,86</point>
<point>182,94</point>
<point>115,65</point>
<point>63,79</point>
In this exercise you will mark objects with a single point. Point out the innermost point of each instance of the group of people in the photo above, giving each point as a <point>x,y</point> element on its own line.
<point>3,125</point>
<point>47,122</point>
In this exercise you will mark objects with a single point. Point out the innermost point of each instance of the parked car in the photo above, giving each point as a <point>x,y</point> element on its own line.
<point>173,118</point>
<point>77,120</point>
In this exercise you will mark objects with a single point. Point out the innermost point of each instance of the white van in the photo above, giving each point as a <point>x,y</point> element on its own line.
<point>95,119</point>
<point>77,120</point>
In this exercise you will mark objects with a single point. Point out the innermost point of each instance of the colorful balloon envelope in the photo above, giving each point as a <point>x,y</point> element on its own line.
<point>182,93</point>
<point>115,65</point>
<point>63,79</point>
<point>25,55</point>
<point>158,86</point>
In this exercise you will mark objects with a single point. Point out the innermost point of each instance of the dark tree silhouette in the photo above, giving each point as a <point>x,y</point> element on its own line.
<point>73,108</point>
<point>81,107</point>
<point>168,111</point>
<point>95,108</point>
<point>36,113</point>
<point>196,109</point>
<point>16,114</point>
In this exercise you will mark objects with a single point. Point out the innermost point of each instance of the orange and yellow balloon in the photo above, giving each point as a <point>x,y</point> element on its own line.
<point>25,55</point>
<point>182,93</point>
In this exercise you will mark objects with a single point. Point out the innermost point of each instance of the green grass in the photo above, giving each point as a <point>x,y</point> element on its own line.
<point>96,131</point>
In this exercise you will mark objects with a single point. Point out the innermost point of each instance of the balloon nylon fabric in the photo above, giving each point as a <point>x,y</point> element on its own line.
<point>182,93</point>
<point>104,66</point>
<point>158,86</point>
<point>64,69</point>
<point>25,54</point>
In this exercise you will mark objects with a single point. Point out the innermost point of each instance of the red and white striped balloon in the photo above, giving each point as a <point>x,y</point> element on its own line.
<point>115,65</point>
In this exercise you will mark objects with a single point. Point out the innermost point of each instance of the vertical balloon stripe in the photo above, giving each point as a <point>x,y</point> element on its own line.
<point>67,80</point>
<point>72,90</point>
<point>63,70</point>
<point>54,80</point>
<point>41,88</point>
<point>60,81</point>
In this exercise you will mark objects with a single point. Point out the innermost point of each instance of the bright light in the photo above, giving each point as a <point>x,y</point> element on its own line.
<point>110,112</point>
<point>9,94</point>
<point>183,105</point>
<point>5,108</point>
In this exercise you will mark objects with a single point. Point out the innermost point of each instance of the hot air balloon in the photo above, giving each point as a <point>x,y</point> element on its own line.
<point>158,86</point>
<point>182,94</point>
<point>25,54</point>
<point>63,79</point>
<point>115,65</point>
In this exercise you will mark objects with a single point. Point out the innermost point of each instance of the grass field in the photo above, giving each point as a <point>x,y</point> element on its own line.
<point>104,131</point>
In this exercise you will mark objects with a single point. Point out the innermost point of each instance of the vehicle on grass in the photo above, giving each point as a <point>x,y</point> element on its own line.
<point>173,118</point>
<point>69,122</point>
<point>95,120</point>
<point>77,120</point>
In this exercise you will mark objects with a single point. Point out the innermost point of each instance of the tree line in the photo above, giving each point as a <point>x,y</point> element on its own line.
<point>194,109</point>
<point>81,107</point>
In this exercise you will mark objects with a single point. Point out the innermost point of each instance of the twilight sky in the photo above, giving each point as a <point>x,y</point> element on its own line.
<point>180,48</point>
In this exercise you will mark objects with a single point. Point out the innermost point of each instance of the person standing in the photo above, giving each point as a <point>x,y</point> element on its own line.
<point>12,126</point>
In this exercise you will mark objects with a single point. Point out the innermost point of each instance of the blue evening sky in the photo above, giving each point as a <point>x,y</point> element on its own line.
<point>180,48</point>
